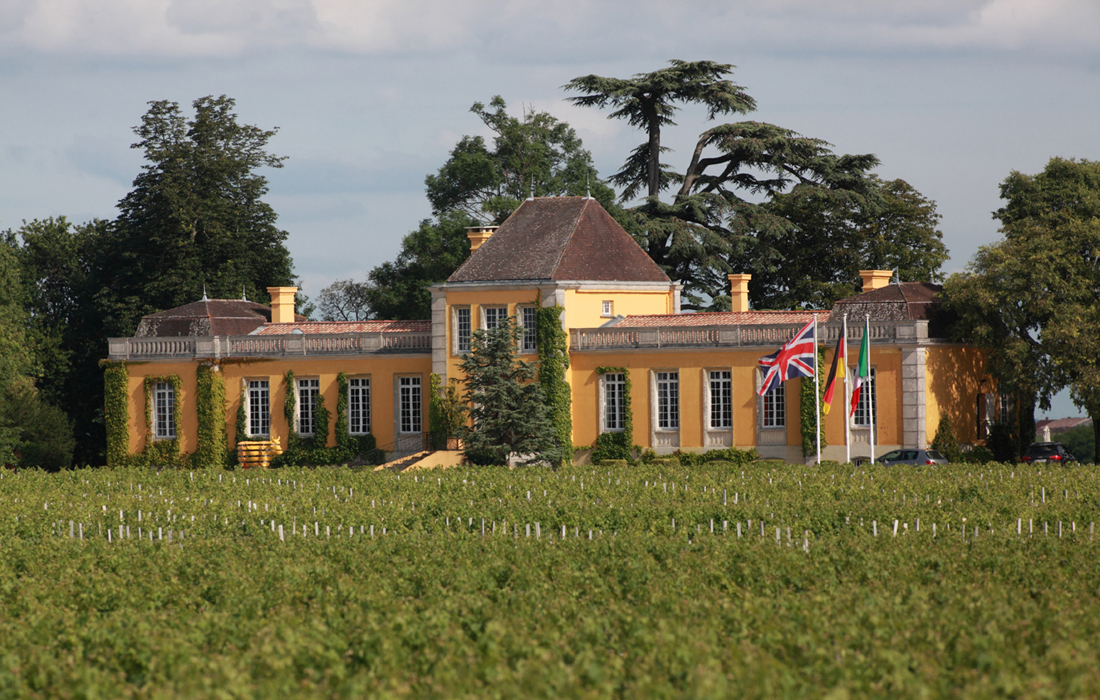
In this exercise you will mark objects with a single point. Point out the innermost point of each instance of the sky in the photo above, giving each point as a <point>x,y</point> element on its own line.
<point>370,96</point>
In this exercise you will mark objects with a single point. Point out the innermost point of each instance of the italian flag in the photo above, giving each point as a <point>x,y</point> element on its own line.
<point>863,367</point>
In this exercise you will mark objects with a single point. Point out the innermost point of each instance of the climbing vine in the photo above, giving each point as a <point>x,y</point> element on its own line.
<point>116,413</point>
<point>313,450</point>
<point>617,445</point>
<point>210,405</point>
<point>163,452</point>
<point>446,411</point>
<point>348,446</point>
<point>553,361</point>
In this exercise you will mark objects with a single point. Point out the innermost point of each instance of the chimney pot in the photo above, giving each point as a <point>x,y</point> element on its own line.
<point>739,292</point>
<point>875,279</point>
<point>478,235</point>
<point>282,304</point>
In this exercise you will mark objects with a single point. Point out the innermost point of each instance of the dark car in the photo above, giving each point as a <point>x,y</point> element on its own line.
<point>912,456</point>
<point>1048,453</point>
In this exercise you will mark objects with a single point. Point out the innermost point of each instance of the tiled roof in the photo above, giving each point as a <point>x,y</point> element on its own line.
<point>722,318</point>
<point>908,301</point>
<point>333,327</point>
<point>560,238</point>
<point>210,317</point>
<point>1060,425</point>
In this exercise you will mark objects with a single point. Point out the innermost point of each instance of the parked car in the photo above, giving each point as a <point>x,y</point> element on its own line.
<point>914,456</point>
<point>1047,453</point>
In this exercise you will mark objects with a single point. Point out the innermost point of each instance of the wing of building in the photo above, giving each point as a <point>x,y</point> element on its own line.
<point>692,377</point>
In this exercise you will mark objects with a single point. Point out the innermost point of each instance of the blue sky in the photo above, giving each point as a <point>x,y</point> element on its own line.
<point>369,97</point>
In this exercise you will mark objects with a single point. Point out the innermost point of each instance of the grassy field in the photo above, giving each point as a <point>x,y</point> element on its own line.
<point>718,581</point>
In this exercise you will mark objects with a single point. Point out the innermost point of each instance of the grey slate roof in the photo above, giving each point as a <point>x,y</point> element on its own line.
<point>210,317</point>
<point>559,238</point>
<point>908,301</point>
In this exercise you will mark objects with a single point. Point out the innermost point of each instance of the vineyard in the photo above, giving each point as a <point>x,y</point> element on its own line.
<point>755,581</point>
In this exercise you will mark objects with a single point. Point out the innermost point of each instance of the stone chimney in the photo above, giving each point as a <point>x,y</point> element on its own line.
<point>478,235</point>
<point>875,279</point>
<point>739,292</point>
<point>282,304</point>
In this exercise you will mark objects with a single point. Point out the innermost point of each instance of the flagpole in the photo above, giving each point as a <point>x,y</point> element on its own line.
<point>817,393</point>
<point>870,385</point>
<point>847,400</point>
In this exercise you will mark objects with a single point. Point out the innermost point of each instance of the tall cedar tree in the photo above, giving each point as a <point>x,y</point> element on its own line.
<point>507,407</point>
<point>710,228</point>
<point>195,217</point>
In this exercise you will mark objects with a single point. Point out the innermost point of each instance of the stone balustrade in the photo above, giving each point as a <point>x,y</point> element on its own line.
<point>270,346</point>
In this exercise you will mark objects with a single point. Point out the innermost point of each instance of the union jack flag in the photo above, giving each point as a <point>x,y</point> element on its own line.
<point>795,359</point>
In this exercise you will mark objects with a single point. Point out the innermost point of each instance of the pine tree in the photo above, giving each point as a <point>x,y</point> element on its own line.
<point>509,414</point>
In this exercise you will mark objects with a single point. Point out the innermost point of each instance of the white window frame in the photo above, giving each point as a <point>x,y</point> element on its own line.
<point>528,343</point>
<point>612,402</point>
<point>461,329</point>
<point>722,385</point>
<point>772,407</point>
<point>258,394</point>
<point>164,411</point>
<point>1005,408</point>
<point>410,405</point>
<point>498,312</point>
<point>306,391</point>
<point>667,391</point>
<point>607,308</point>
<point>860,419</point>
<point>359,409</point>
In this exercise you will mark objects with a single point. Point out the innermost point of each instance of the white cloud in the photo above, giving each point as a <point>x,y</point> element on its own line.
<point>547,30</point>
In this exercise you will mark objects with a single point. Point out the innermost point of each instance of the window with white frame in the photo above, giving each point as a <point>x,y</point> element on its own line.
<point>607,308</point>
<point>461,329</point>
<point>410,400</point>
<point>773,407</point>
<point>1005,409</point>
<point>308,389</point>
<point>359,405</point>
<point>530,339</point>
<point>614,402</point>
<point>259,408</point>
<point>721,399</point>
<point>668,400</point>
<point>164,411</point>
<point>493,316</point>
<point>867,404</point>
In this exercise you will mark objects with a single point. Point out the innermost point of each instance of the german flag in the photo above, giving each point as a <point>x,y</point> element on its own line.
<point>838,369</point>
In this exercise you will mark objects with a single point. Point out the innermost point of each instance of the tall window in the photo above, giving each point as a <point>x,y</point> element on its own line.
<point>1005,409</point>
<point>494,315</point>
<point>259,408</point>
<point>773,407</point>
<point>164,407</point>
<point>462,330</point>
<point>668,400</point>
<point>867,402</point>
<point>614,402</point>
<point>359,405</point>
<point>721,399</point>
<point>307,405</point>
<point>530,340</point>
<point>410,401</point>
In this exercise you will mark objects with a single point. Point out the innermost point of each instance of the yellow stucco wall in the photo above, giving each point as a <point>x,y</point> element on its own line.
<point>381,370</point>
<point>584,307</point>
<point>954,378</point>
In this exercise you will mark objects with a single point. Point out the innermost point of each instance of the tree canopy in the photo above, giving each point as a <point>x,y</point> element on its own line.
<point>1032,300</point>
<point>751,193</point>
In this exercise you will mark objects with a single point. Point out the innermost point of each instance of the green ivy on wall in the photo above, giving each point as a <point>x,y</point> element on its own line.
<point>164,452</point>
<point>446,411</point>
<point>210,406</point>
<point>807,413</point>
<point>116,413</point>
<point>617,445</point>
<point>311,451</point>
<point>553,348</point>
